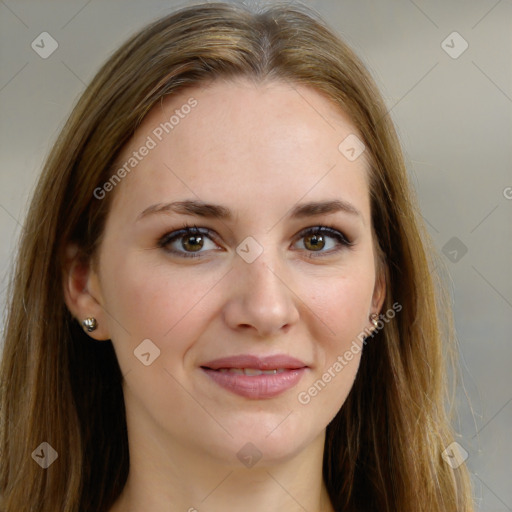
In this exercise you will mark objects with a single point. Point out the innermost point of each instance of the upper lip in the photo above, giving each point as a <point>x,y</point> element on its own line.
<point>279,361</point>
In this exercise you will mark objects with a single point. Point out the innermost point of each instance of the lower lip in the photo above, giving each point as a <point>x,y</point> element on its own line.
<point>257,386</point>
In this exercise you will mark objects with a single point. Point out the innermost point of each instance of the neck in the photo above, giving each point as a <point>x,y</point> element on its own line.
<point>179,479</point>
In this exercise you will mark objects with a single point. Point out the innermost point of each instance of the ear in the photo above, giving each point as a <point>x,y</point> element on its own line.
<point>379,290</point>
<point>82,292</point>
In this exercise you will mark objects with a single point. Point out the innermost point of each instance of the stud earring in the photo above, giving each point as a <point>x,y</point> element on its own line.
<point>374,319</point>
<point>90,324</point>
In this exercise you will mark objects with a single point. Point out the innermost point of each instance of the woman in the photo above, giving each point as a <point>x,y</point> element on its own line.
<point>222,297</point>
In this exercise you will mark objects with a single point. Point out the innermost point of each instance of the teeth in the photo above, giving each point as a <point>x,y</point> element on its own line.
<point>250,371</point>
<point>231,370</point>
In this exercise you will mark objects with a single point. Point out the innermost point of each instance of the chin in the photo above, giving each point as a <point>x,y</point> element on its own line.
<point>269,442</point>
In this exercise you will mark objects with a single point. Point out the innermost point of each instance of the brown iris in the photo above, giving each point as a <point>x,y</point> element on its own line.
<point>194,246</point>
<point>316,241</point>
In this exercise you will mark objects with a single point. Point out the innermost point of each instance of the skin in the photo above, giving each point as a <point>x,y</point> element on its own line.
<point>258,149</point>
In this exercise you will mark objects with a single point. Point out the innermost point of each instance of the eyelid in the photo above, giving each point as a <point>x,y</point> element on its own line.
<point>327,230</point>
<point>185,230</point>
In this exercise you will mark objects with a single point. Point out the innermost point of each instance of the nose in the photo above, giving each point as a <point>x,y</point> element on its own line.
<point>261,297</point>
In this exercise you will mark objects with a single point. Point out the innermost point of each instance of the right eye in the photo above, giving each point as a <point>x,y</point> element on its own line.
<point>187,242</point>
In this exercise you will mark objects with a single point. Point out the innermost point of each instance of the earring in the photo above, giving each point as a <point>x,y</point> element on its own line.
<point>373,318</point>
<point>90,324</point>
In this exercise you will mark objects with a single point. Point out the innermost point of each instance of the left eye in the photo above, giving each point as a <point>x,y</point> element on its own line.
<point>188,241</point>
<point>316,239</point>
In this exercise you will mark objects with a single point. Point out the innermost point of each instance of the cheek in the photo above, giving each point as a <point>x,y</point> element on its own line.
<point>341,313</point>
<point>155,302</point>
<point>342,303</point>
<point>340,307</point>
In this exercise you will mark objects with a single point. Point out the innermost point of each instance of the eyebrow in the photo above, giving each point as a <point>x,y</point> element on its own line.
<point>214,211</point>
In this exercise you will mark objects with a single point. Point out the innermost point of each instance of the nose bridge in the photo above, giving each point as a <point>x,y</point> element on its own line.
<point>261,296</point>
<point>265,276</point>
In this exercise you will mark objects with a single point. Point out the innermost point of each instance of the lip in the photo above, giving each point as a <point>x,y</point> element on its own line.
<point>256,387</point>
<point>257,362</point>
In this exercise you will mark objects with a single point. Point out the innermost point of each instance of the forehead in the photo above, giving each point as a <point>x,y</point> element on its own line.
<point>234,140</point>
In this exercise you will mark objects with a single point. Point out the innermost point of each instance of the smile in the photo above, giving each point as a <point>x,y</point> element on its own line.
<point>256,377</point>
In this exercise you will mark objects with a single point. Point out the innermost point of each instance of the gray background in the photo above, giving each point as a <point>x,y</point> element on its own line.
<point>454,117</point>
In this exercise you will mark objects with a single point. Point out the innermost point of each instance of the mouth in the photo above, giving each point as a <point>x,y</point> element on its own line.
<point>255,377</point>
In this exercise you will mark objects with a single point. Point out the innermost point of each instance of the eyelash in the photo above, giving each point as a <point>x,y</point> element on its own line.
<point>188,230</point>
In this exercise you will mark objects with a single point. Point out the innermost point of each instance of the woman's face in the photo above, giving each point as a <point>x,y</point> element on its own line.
<point>255,168</point>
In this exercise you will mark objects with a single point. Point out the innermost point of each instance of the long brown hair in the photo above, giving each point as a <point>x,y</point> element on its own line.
<point>383,449</point>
